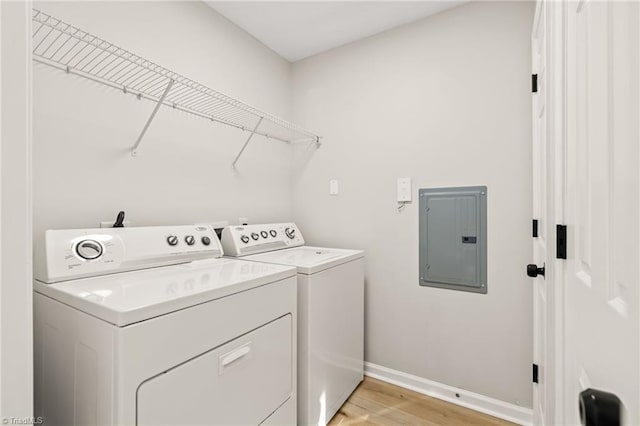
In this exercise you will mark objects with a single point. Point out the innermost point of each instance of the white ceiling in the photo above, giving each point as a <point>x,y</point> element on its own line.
<point>298,29</point>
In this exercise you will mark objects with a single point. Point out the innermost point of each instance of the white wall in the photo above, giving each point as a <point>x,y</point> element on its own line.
<point>83,170</point>
<point>16,360</point>
<point>446,101</point>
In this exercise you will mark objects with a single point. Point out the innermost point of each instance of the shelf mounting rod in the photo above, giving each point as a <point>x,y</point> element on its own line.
<point>134,150</point>
<point>253,132</point>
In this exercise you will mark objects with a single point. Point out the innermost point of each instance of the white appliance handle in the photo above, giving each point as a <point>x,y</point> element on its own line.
<point>233,356</point>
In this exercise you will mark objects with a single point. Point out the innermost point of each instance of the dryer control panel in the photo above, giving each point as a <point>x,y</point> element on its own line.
<point>77,253</point>
<point>241,240</point>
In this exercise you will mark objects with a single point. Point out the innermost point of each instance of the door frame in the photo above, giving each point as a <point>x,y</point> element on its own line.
<point>555,39</point>
<point>16,329</point>
<point>558,136</point>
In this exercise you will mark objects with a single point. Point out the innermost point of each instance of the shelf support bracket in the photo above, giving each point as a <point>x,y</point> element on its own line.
<point>134,150</point>
<point>253,132</point>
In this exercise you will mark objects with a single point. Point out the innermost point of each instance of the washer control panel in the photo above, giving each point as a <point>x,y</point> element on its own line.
<point>76,253</point>
<point>241,240</point>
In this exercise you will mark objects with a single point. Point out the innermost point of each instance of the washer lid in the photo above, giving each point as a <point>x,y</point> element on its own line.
<point>130,297</point>
<point>307,259</point>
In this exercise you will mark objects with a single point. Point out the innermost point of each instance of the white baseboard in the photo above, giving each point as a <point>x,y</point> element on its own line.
<point>474,401</point>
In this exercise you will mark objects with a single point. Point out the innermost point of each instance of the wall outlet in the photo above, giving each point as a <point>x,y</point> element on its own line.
<point>333,187</point>
<point>404,190</point>
<point>109,223</point>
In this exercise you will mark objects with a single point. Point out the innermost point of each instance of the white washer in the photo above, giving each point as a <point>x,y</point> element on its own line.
<point>148,326</point>
<point>330,312</point>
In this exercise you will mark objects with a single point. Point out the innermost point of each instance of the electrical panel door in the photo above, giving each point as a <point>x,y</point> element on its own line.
<point>453,238</point>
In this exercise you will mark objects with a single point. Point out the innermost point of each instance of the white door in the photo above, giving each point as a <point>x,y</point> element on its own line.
<point>543,205</point>
<point>601,331</point>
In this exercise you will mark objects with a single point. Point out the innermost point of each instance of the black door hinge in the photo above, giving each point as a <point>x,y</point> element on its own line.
<point>561,241</point>
<point>534,83</point>
<point>535,373</point>
<point>535,228</point>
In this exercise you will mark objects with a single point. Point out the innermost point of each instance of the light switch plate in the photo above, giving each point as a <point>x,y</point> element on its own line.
<point>404,190</point>
<point>333,187</point>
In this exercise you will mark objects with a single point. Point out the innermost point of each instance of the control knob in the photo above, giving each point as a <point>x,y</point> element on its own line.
<point>273,233</point>
<point>206,240</point>
<point>190,240</point>
<point>172,240</point>
<point>264,234</point>
<point>244,239</point>
<point>290,232</point>
<point>89,249</point>
<point>255,235</point>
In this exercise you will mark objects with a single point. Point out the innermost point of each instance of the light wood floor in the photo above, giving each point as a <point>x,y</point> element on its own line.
<point>379,403</point>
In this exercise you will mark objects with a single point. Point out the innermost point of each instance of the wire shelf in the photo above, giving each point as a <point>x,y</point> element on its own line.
<point>75,51</point>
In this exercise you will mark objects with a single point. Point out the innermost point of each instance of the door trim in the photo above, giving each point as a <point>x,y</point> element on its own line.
<point>16,295</point>
<point>555,110</point>
<point>558,134</point>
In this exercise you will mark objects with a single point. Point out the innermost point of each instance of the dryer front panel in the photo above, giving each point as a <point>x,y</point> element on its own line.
<point>241,382</point>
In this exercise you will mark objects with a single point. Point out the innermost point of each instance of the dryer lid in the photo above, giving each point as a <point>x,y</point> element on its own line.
<point>126,298</point>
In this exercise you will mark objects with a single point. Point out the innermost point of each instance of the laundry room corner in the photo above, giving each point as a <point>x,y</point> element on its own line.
<point>445,101</point>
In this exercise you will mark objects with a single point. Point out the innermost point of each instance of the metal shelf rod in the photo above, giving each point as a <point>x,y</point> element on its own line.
<point>253,132</point>
<point>134,150</point>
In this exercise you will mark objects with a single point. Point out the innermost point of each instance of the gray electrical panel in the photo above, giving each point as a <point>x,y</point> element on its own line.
<point>453,238</point>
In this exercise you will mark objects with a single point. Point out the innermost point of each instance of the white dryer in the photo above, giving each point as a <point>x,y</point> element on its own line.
<point>149,326</point>
<point>330,312</point>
